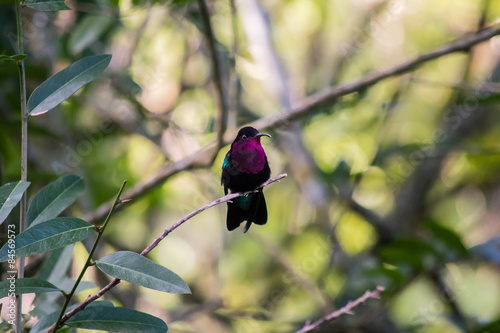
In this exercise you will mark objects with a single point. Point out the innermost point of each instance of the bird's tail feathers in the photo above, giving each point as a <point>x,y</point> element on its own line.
<point>257,213</point>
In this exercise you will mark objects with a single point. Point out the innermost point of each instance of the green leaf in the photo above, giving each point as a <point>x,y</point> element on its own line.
<point>88,31</point>
<point>68,283</point>
<point>65,329</point>
<point>47,236</point>
<point>452,243</point>
<point>492,327</point>
<point>10,195</point>
<point>489,98</point>
<point>46,321</point>
<point>116,319</point>
<point>25,286</point>
<point>54,198</point>
<point>181,2</point>
<point>410,251</point>
<point>56,266</point>
<point>394,275</point>
<point>47,5</point>
<point>63,84</point>
<point>133,267</point>
<point>15,57</point>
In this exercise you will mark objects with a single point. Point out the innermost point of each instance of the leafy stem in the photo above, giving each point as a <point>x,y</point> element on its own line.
<point>89,261</point>
<point>24,153</point>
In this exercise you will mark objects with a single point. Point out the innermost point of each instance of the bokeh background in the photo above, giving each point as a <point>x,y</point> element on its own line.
<point>395,185</point>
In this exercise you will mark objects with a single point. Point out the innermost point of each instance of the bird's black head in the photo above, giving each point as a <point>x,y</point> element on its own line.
<point>249,132</point>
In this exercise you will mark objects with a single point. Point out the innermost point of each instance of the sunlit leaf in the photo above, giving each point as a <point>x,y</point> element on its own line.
<point>47,236</point>
<point>54,198</point>
<point>10,195</point>
<point>63,84</point>
<point>25,286</point>
<point>116,319</point>
<point>133,267</point>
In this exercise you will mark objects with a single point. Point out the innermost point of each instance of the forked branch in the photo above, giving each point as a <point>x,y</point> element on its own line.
<point>347,309</point>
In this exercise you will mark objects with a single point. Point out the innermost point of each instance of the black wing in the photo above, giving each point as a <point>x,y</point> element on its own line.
<point>224,180</point>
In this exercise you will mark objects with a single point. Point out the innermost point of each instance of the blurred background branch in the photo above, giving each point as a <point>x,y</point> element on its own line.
<point>307,106</point>
<point>347,309</point>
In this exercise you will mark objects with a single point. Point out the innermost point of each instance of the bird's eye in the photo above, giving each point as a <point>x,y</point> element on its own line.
<point>244,137</point>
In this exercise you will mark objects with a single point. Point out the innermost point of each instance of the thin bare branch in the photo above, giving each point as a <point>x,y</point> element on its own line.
<point>226,198</point>
<point>202,158</point>
<point>197,160</point>
<point>157,240</point>
<point>347,309</point>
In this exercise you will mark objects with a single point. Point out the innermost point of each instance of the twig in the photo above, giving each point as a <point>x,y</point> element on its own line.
<point>347,309</point>
<point>118,200</point>
<point>24,155</point>
<point>221,121</point>
<point>155,243</point>
<point>226,198</point>
<point>199,159</point>
<point>194,161</point>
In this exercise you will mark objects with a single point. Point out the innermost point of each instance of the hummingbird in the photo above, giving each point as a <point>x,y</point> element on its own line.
<point>245,167</point>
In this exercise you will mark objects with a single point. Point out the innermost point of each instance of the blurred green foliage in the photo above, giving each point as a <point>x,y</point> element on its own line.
<point>430,136</point>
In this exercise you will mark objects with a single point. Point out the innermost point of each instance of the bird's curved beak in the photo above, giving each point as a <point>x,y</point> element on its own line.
<point>263,134</point>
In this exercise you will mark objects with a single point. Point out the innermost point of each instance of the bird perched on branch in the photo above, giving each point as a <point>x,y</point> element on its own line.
<point>245,167</point>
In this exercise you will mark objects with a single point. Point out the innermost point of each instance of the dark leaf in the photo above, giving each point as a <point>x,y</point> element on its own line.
<point>46,321</point>
<point>15,57</point>
<point>117,320</point>
<point>451,240</point>
<point>493,327</point>
<point>410,251</point>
